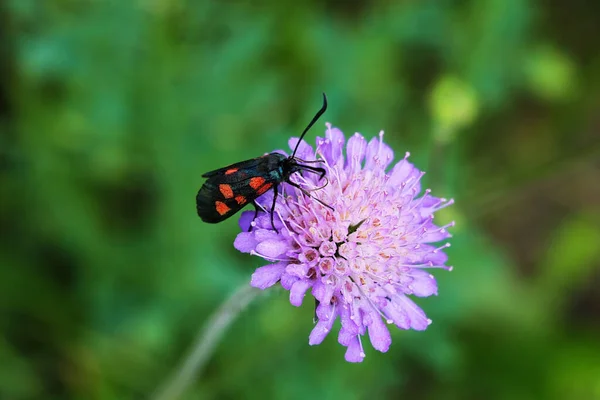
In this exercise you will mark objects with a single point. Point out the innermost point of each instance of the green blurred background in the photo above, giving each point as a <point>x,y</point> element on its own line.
<point>110,111</point>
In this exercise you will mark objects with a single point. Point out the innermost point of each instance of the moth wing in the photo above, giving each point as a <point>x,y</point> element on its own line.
<point>213,210</point>
<point>219,199</point>
<point>233,168</point>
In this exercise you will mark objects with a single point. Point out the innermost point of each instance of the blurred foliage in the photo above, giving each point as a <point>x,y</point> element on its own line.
<point>111,110</point>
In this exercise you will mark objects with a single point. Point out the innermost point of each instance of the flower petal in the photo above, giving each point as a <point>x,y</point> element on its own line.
<point>423,284</point>
<point>245,242</point>
<point>272,248</point>
<point>268,275</point>
<point>379,334</point>
<point>397,315</point>
<point>435,257</point>
<point>297,270</point>
<point>287,280</point>
<point>355,151</point>
<point>245,220</point>
<point>386,154</point>
<point>304,152</point>
<point>298,291</point>
<point>379,155</point>
<point>434,234</point>
<point>354,353</point>
<point>404,172</point>
<point>322,291</point>
<point>418,319</point>
<point>336,140</point>
<point>349,328</point>
<point>263,235</point>
<point>264,219</point>
<point>325,313</point>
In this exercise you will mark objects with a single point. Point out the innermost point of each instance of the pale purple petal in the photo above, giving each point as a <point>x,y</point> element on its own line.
<point>320,332</point>
<point>326,312</point>
<point>268,275</point>
<point>297,270</point>
<point>386,154</point>
<point>373,154</point>
<point>336,139</point>
<point>355,151</point>
<point>263,235</point>
<point>349,328</point>
<point>404,173</point>
<point>324,149</point>
<point>354,353</point>
<point>430,204</point>
<point>434,234</point>
<point>272,248</point>
<point>287,281</point>
<point>322,291</point>
<point>245,242</point>
<point>245,221</point>
<point>397,315</point>
<point>423,284</point>
<point>298,291</point>
<point>345,336</point>
<point>304,152</point>
<point>379,334</point>
<point>326,316</point>
<point>264,219</point>
<point>418,319</point>
<point>427,254</point>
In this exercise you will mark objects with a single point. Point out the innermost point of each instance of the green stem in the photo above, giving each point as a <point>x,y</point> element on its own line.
<point>206,343</point>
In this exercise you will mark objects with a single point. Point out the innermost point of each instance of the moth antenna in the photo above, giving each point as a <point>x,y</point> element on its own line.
<point>312,122</point>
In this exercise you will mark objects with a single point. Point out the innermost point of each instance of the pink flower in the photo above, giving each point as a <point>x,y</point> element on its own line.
<point>364,260</point>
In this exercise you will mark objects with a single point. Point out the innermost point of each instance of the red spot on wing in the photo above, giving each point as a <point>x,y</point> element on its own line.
<point>221,208</point>
<point>240,200</point>
<point>226,190</point>
<point>264,188</point>
<point>257,182</point>
<point>231,171</point>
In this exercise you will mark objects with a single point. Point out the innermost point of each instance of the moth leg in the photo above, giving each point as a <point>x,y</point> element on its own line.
<point>308,194</point>
<point>255,215</point>
<point>273,207</point>
<point>316,170</point>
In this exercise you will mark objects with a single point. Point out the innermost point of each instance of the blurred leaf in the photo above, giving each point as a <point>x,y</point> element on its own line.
<point>572,255</point>
<point>551,74</point>
<point>575,369</point>
<point>17,374</point>
<point>453,105</point>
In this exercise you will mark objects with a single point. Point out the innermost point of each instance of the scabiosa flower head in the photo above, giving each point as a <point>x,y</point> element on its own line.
<point>362,260</point>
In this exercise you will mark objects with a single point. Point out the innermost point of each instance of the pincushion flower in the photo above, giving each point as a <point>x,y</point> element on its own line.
<point>363,260</point>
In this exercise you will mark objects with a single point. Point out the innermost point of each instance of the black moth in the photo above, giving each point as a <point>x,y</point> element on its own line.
<point>227,190</point>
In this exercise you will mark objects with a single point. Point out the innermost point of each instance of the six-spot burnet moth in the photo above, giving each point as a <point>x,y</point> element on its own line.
<point>227,190</point>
